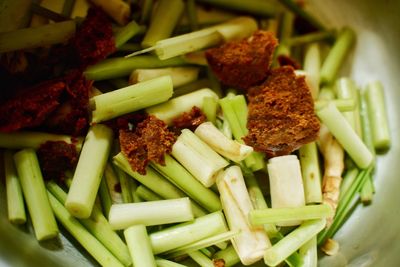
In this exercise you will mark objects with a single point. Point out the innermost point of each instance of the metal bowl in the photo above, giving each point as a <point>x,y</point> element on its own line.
<point>369,237</point>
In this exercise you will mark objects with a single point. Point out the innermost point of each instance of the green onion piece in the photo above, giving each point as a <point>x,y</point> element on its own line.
<point>139,246</point>
<point>86,181</point>
<point>309,253</point>
<point>311,173</point>
<point>121,66</point>
<point>126,33</point>
<point>156,183</point>
<point>98,226</point>
<point>293,241</point>
<point>295,8</point>
<point>201,259</point>
<point>312,37</point>
<point>166,263</point>
<point>31,179</point>
<point>179,176</point>
<point>345,135</point>
<point>312,65</point>
<point>99,252</point>
<point>342,105</point>
<point>210,107</point>
<point>189,232</point>
<point>277,215</point>
<point>146,194</point>
<point>173,108</point>
<point>105,197</point>
<point>131,98</point>
<point>41,36</point>
<point>15,199</point>
<point>163,22</point>
<point>374,94</point>
<point>254,7</point>
<point>147,7</point>
<point>149,213</point>
<point>229,256</point>
<point>337,55</point>
<point>192,14</point>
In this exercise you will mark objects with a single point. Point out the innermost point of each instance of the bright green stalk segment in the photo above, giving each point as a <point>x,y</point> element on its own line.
<point>374,94</point>
<point>155,182</point>
<point>163,22</point>
<point>210,107</point>
<point>98,226</point>
<point>342,105</point>
<point>254,7</point>
<point>105,197</point>
<point>312,66</point>
<point>126,33</point>
<point>337,55</point>
<point>348,180</point>
<point>30,177</point>
<point>86,181</point>
<point>311,38</point>
<point>293,241</point>
<point>179,176</point>
<point>15,199</point>
<point>229,256</point>
<point>367,191</point>
<point>99,252</point>
<point>131,98</point>
<point>21,140</point>
<point>166,263</point>
<point>292,5</point>
<point>45,35</point>
<point>201,259</point>
<point>120,66</point>
<point>192,15</point>
<point>277,215</point>
<point>311,173</point>
<point>139,246</point>
<point>309,253</point>
<point>187,233</point>
<point>294,259</point>
<point>146,194</point>
<point>344,205</point>
<point>345,135</point>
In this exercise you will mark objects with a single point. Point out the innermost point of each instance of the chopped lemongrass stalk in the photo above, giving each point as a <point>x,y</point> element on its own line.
<point>374,95</point>
<point>192,15</point>
<point>163,21</point>
<point>342,105</point>
<point>330,247</point>
<point>348,180</point>
<point>113,184</point>
<point>293,241</point>
<point>201,259</point>
<point>156,183</point>
<point>180,177</point>
<point>326,94</point>
<point>228,148</point>
<point>99,227</point>
<point>47,13</point>
<point>129,47</point>
<point>67,8</point>
<point>197,157</point>
<point>311,38</point>
<point>334,60</point>
<point>210,107</point>
<point>298,10</point>
<point>228,255</point>
<point>126,33</point>
<point>214,82</point>
<point>204,243</point>
<point>179,75</point>
<point>278,215</point>
<point>187,233</point>
<point>196,58</point>
<point>126,185</point>
<point>99,252</point>
<point>146,8</point>
<point>345,135</point>
<point>139,246</point>
<point>41,36</point>
<point>166,263</point>
<point>131,98</point>
<point>255,7</point>
<point>105,197</point>
<point>35,195</point>
<point>309,253</point>
<point>311,173</point>
<point>286,27</point>
<point>23,139</point>
<point>312,67</point>
<point>116,9</point>
<point>286,184</point>
<point>86,181</point>
<point>173,108</point>
<point>146,194</point>
<point>121,66</point>
<point>251,242</point>
<point>150,213</point>
<point>191,87</point>
<point>208,16</point>
<point>15,199</point>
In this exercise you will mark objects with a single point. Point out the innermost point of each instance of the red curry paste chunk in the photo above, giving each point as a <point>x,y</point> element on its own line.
<point>149,141</point>
<point>244,63</point>
<point>189,120</point>
<point>281,114</point>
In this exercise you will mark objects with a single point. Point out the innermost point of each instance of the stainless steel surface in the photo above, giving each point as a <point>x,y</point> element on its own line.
<point>370,237</point>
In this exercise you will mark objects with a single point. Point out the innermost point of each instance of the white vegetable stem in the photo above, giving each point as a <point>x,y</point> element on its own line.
<point>139,246</point>
<point>228,148</point>
<point>197,157</point>
<point>286,184</point>
<point>251,242</point>
<point>89,171</point>
<point>179,75</point>
<point>150,213</point>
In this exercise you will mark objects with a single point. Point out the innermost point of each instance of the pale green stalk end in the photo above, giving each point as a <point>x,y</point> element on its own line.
<point>139,246</point>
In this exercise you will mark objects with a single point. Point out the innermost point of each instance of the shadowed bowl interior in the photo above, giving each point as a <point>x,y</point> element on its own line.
<point>370,237</point>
